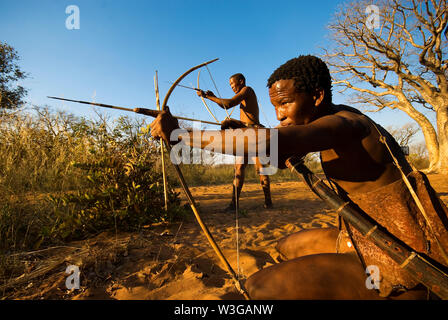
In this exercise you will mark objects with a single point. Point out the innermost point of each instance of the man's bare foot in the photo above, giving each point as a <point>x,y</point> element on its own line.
<point>230,208</point>
<point>268,205</point>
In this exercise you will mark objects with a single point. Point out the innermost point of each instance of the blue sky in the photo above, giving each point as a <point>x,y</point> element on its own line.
<point>112,58</point>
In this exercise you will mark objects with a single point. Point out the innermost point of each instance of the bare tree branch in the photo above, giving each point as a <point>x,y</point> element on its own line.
<point>401,64</point>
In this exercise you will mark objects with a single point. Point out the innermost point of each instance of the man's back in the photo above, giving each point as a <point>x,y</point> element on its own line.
<point>363,163</point>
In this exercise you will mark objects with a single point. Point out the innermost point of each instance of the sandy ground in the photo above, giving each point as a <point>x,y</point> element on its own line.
<point>175,261</point>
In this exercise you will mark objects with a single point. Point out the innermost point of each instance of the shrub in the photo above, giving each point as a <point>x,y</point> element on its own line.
<point>64,178</point>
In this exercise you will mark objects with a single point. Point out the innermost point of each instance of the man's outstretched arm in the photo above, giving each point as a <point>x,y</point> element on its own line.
<point>325,133</point>
<point>225,103</point>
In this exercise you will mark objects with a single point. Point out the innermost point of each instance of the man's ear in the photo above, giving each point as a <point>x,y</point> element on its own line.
<point>319,96</point>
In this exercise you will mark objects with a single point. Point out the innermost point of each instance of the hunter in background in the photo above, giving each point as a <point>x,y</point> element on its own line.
<point>249,117</point>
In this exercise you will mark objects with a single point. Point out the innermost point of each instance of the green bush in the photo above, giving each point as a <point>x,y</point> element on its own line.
<point>64,178</point>
<point>125,192</point>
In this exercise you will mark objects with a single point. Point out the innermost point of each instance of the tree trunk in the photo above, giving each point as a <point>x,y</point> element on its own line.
<point>442,128</point>
<point>429,133</point>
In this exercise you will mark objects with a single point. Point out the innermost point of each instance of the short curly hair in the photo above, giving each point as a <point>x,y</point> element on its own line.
<point>238,77</point>
<point>308,72</point>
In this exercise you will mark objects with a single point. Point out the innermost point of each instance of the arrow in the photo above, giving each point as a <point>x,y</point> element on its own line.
<point>146,112</point>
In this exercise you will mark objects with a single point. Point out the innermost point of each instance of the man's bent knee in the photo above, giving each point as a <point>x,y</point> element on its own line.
<point>320,276</point>
<point>306,242</point>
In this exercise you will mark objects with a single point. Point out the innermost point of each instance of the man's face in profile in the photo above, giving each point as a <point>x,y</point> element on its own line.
<point>236,85</point>
<point>291,107</point>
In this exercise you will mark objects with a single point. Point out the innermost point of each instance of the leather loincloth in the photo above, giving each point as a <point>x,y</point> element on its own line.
<point>393,208</point>
<point>254,160</point>
<point>253,125</point>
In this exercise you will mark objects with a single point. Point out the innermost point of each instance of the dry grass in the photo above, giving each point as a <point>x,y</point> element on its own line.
<point>63,178</point>
<point>60,178</point>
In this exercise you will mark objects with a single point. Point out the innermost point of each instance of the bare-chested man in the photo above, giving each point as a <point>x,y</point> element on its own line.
<point>323,263</point>
<point>249,117</point>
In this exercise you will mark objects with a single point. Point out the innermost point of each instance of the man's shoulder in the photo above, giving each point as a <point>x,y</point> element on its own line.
<point>344,109</point>
<point>345,118</point>
<point>249,90</point>
<point>351,113</point>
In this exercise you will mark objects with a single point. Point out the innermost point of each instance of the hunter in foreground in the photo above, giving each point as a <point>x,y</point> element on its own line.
<point>331,263</point>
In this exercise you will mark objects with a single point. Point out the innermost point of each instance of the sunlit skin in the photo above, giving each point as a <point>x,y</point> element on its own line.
<point>349,144</point>
<point>353,157</point>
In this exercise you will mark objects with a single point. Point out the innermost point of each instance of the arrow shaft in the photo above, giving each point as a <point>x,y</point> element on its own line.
<point>162,153</point>
<point>147,112</point>
<point>187,87</point>
<point>94,104</point>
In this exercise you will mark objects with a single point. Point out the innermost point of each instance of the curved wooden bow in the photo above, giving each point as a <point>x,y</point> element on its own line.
<point>190,198</point>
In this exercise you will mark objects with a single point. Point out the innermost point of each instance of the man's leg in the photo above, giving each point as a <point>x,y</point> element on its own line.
<point>238,182</point>
<point>313,241</point>
<point>265,184</point>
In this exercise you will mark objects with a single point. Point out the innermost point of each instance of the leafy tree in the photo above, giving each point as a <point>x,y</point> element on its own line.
<point>11,94</point>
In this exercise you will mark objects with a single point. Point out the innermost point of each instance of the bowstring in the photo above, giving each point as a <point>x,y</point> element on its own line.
<point>205,104</point>
<point>264,115</point>
<point>236,188</point>
<point>217,91</point>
